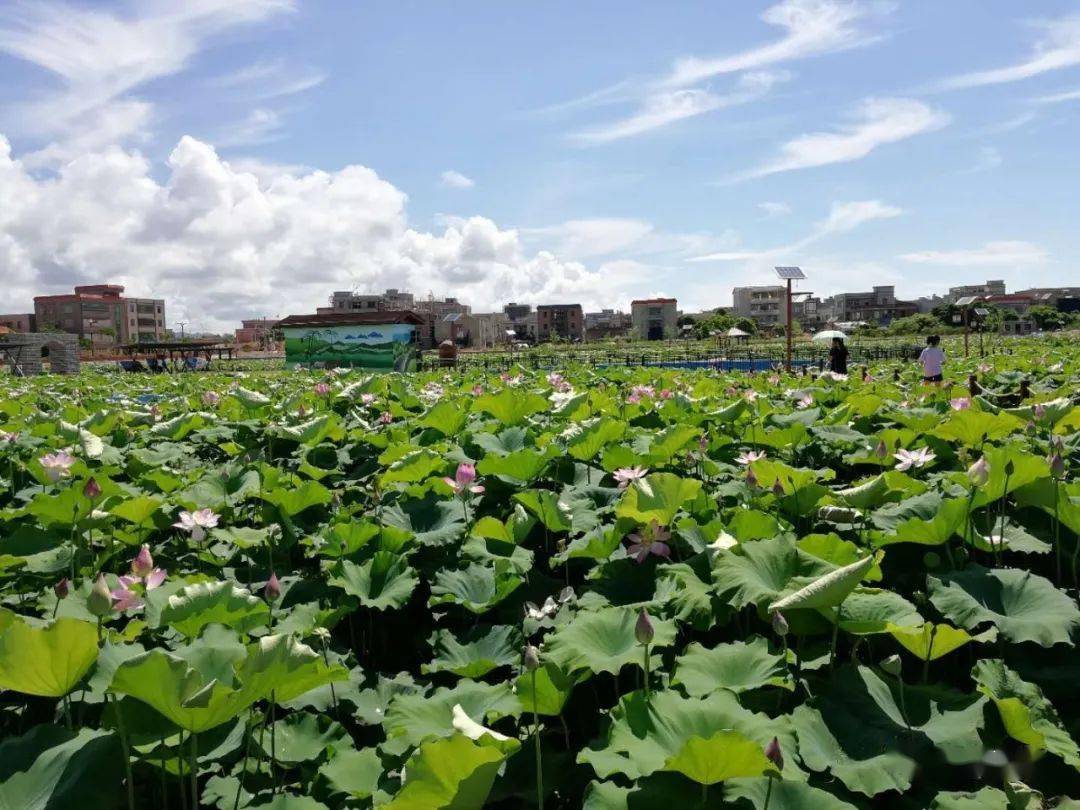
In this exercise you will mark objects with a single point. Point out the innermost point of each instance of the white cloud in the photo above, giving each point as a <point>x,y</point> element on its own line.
<point>581,238</point>
<point>988,158</point>
<point>270,79</point>
<point>101,57</point>
<point>1003,253</point>
<point>812,27</point>
<point>774,209</point>
<point>454,179</point>
<point>665,107</point>
<point>876,122</point>
<point>259,126</point>
<point>1058,98</point>
<point>220,244</point>
<point>843,218</point>
<point>1059,47</point>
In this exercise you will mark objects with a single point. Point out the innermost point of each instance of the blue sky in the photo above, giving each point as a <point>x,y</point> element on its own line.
<point>253,155</point>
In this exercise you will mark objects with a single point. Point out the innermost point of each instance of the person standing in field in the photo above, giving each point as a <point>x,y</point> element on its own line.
<point>932,359</point>
<point>838,355</point>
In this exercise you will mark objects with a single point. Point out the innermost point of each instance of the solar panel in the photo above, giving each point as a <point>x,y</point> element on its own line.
<point>790,272</point>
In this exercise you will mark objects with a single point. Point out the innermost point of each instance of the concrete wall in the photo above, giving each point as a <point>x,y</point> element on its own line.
<point>24,353</point>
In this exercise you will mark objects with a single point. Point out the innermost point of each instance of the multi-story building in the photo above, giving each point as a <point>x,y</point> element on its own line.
<point>100,314</point>
<point>607,323</point>
<point>256,330</point>
<point>879,306</point>
<point>991,287</point>
<point>21,322</point>
<point>655,318</point>
<point>517,312</point>
<point>1063,299</point>
<point>564,321</point>
<point>486,329</point>
<point>766,305</point>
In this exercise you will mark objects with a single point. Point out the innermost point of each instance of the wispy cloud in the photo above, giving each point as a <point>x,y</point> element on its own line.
<point>270,79</point>
<point>876,122</point>
<point>668,106</point>
<point>1057,48</point>
<point>260,126</point>
<point>812,28</point>
<point>1007,253</point>
<point>774,209</point>
<point>455,179</point>
<point>101,57</point>
<point>843,218</point>
<point>989,158</point>
<point>1058,98</point>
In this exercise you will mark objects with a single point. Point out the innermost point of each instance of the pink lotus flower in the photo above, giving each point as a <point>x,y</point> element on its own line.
<point>774,379</point>
<point>985,368</point>
<point>62,588</point>
<point>979,472</point>
<point>805,401</point>
<point>906,459</point>
<point>666,394</point>
<point>322,389</point>
<point>627,475</point>
<point>272,589</point>
<point>11,437</point>
<point>210,398</point>
<point>650,540</point>
<point>748,457</point>
<point>477,390</point>
<point>751,395</point>
<point>773,754</point>
<point>58,465</point>
<point>1039,411</point>
<point>960,403</point>
<point>633,399</point>
<point>385,418</point>
<point>462,482</point>
<point>367,399</point>
<point>196,523</point>
<point>92,489</point>
<point>643,391</point>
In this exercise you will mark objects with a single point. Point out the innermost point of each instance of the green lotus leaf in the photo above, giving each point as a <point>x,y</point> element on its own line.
<point>139,510</point>
<point>1026,469</point>
<point>827,590</point>
<point>666,444</point>
<point>929,642</point>
<point>196,606</point>
<point>447,417</point>
<point>971,427</point>
<point>867,495</point>
<point>926,519</point>
<point>547,507</point>
<point>274,665</point>
<point>416,466</point>
<point>50,768</point>
<point>294,499</point>
<point>987,798</point>
<point>477,652</point>
<point>353,772</point>
<point>867,611</point>
<point>477,588</point>
<point>413,718</point>
<point>738,667</point>
<point>785,794</point>
<point>519,467</point>
<point>432,520</point>
<point>687,594</point>
<point>603,640</point>
<point>313,431</point>
<point>303,737</point>
<point>644,733</point>
<point>587,444</point>
<point>659,496</point>
<point>755,573</point>
<point>46,661</point>
<point>511,407</point>
<point>506,441</point>
<point>1025,712</point>
<point>251,400</point>
<point>553,688</point>
<point>384,582</point>
<point>835,550</point>
<point>451,774</point>
<point>1022,605</point>
<point>725,755</point>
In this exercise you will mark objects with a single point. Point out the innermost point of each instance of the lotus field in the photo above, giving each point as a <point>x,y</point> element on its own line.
<point>625,588</point>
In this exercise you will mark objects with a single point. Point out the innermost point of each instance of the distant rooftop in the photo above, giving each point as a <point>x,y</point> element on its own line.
<point>351,318</point>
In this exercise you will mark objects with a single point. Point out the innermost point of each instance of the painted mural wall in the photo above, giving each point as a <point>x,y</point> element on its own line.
<point>389,347</point>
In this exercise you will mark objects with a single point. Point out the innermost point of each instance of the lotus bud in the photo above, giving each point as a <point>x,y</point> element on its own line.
<point>774,755</point>
<point>99,602</point>
<point>1010,468</point>
<point>881,451</point>
<point>892,665</point>
<point>779,623</point>
<point>644,630</point>
<point>1057,465</point>
<point>92,489</point>
<point>979,472</point>
<point>751,479</point>
<point>62,588</point>
<point>530,658</point>
<point>778,488</point>
<point>272,589</point>
<point>143,563</point>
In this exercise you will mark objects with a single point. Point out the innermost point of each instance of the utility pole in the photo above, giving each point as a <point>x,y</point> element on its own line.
<point>789,274</point>
<point>181,324</point>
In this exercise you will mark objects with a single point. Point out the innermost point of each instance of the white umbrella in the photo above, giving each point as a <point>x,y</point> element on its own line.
<point>737,332</point>
<point>829,334</point>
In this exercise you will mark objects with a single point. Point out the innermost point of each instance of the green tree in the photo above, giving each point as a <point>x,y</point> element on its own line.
<point>1048,318</point>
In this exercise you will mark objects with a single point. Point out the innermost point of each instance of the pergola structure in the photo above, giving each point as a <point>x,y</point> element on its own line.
<point>180,349</point>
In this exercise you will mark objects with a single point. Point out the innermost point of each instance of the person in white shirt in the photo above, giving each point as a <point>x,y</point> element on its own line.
<point>933,359</point>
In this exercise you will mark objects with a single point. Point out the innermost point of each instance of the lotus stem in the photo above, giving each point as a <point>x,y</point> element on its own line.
<point>536,743</point>
<point>194,771</point>
<point>164,786</point>
<point>126,751</point>
<point>1057,533</point>
<point>768,793</point>
<point>648,692</point>
<point>835,633</point>
<point>180,769</point>
<point>929,653</point>
<point>243,767</point>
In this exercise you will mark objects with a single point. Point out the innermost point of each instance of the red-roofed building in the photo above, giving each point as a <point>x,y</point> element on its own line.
<point>102,315</point>
<point>655,318</point>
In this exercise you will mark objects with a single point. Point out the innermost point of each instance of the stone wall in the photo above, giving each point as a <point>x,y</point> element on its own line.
<point>22,352</point>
